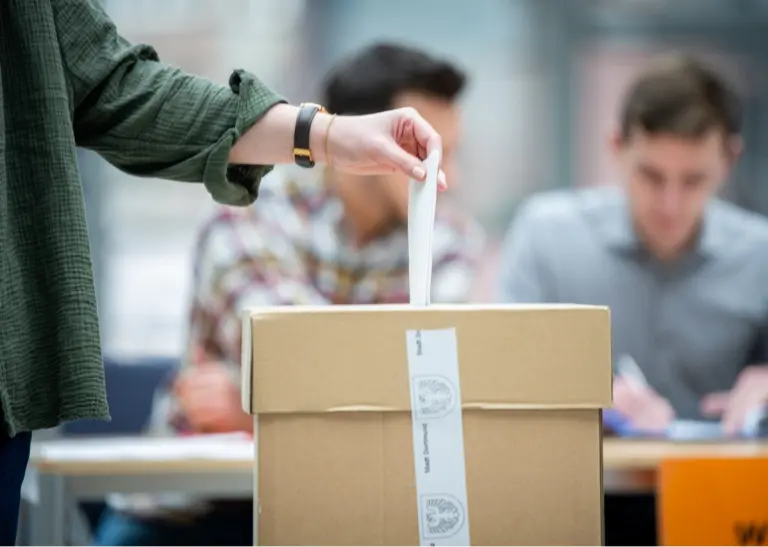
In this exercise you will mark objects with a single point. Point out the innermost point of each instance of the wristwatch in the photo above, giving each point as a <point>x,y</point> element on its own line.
<point>302,155</point>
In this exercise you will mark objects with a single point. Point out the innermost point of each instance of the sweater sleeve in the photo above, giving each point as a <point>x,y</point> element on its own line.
<point>151,119</point>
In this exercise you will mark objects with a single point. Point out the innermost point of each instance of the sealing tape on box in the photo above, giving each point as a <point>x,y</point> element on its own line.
<point>438,437</point>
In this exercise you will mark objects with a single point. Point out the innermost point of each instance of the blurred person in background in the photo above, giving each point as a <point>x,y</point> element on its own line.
<point>336,238</point>
<point>684,273</point>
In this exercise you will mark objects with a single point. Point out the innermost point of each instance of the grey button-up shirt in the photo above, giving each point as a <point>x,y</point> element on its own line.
<point>691,326</point>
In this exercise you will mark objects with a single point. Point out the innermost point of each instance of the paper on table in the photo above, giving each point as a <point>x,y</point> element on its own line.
<point>422,202</point>
<point>229,447</point>
<point>681,430</point>
<point>702,430</point>
<point>693,430</point>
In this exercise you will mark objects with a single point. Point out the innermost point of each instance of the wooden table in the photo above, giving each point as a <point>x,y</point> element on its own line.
<point>630,465</point>
<point>62,472</point>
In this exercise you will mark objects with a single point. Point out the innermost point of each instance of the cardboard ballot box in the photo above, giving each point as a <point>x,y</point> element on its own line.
<point>437,425</point>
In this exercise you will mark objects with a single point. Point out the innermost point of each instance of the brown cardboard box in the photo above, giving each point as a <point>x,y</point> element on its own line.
<point>330,390</point>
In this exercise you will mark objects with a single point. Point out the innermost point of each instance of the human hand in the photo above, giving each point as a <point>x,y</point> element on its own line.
<point>378,144</point>
<point>749,393</point>
<point>642,406</point>
<point>211,400</point>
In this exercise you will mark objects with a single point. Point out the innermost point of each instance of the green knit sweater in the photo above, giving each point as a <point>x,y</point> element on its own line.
<point>68,79</point>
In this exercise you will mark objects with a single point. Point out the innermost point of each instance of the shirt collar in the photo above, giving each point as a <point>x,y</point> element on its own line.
<point>620,234</point>
<point>713,239</point>
<point>616,226</point>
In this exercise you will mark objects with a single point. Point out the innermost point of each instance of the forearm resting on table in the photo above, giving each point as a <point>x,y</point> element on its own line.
<point>270,140</point>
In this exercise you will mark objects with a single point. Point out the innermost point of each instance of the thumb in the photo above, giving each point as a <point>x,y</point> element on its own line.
<point>714,404</point>
<point>402,160</point>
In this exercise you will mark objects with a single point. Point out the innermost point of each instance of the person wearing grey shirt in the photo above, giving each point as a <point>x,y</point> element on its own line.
<point>684,274</point>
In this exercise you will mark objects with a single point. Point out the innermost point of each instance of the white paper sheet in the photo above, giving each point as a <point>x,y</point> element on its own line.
<point>694,430</point>
<point>422,202</point>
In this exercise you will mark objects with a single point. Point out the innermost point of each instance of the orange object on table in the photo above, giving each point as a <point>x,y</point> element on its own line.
<point>713,501</point>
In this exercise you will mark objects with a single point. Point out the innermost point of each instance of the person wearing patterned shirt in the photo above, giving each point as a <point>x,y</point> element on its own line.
<point>318,238</point>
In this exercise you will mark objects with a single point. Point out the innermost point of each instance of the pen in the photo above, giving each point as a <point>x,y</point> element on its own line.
<point>630,371</point>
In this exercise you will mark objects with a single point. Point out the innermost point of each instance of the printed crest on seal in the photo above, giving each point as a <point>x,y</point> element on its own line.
<point>442,515</point>
<point>435,396</point>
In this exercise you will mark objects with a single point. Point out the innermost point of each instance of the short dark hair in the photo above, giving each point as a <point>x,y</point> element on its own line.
<point>679,95</point>
<point>371,80</point>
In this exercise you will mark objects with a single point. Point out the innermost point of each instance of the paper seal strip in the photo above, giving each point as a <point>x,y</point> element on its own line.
<point>438,437</point>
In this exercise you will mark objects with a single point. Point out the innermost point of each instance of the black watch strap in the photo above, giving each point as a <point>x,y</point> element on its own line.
<point>302,155</point>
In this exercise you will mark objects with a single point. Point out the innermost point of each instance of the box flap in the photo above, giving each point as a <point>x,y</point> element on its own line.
<point>353,358</point>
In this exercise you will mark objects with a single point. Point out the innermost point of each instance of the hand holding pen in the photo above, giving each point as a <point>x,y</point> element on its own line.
<point>645,409</point>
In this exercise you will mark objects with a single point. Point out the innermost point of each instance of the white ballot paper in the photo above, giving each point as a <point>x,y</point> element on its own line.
<point>438,435</point>
<point>422,202</point>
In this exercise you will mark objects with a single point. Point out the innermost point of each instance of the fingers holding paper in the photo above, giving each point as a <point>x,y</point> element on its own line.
<point>389,142</point>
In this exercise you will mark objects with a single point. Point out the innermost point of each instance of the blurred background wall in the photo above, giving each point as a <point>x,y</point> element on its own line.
<point>546,78</point>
